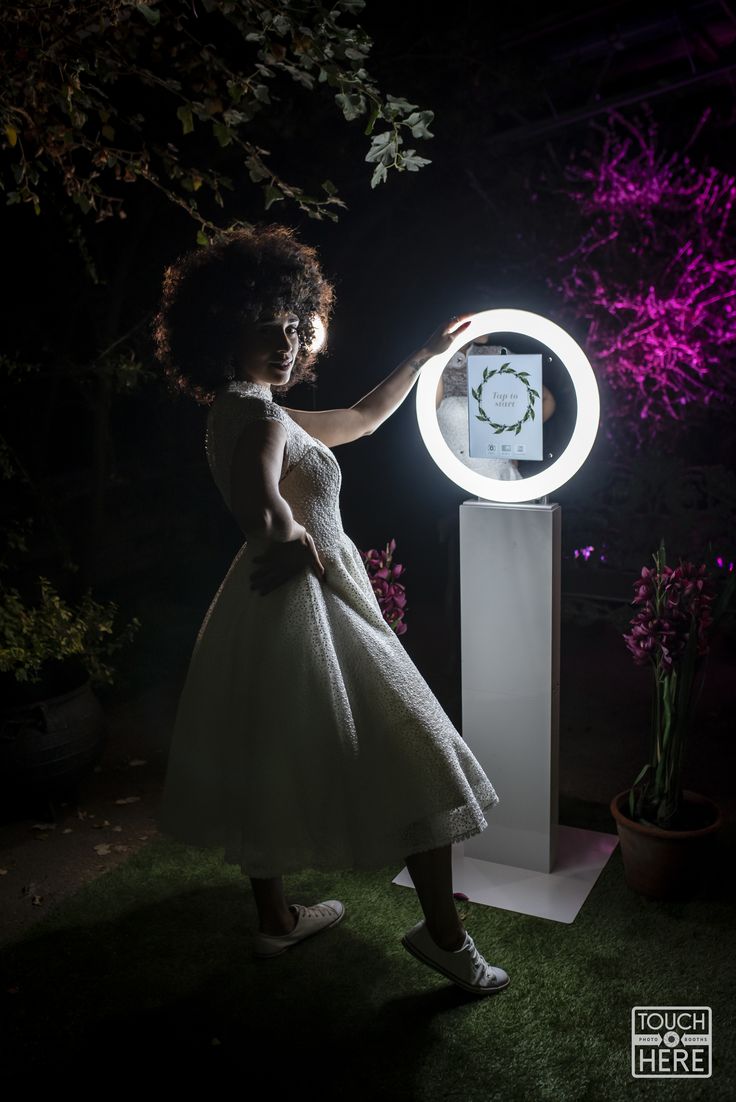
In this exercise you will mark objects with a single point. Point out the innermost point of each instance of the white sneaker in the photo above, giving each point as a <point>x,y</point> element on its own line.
<point>309,920</point>
<point>465,966</point>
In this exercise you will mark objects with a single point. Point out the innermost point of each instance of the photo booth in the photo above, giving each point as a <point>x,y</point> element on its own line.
<point>510,644</point>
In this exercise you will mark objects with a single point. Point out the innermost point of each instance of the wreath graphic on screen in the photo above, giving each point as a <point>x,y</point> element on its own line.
<point>531,394</point>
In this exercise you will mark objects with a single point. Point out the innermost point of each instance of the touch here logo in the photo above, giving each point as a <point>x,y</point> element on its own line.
<point>671,1042</point>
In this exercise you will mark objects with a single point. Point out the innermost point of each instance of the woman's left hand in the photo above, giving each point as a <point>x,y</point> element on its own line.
<point>443,337</point>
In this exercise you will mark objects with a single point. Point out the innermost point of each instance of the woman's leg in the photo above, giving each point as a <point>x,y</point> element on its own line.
<point>274,916</point>
<point>431,873</point>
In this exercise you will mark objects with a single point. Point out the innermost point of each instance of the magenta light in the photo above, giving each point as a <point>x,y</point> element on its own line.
<point>654,274</point>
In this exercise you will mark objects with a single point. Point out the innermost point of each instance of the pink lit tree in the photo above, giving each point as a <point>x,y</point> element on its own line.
<point>654,275</point>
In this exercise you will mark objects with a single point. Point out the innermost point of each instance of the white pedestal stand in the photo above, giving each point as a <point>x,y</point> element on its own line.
<point>510,628</point>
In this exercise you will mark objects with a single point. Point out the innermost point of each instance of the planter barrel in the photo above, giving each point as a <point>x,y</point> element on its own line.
<point>667,864</point>
<point>49,743</point>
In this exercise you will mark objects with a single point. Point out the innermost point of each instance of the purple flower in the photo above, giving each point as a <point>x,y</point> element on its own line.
<point>390,593</point>
<point>673,603</point>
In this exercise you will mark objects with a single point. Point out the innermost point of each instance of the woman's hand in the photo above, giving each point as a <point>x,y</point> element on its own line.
<point>282,560</point>
<point>443,337</point>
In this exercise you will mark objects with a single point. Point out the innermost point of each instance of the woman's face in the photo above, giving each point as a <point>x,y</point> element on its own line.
<point>268,349</point>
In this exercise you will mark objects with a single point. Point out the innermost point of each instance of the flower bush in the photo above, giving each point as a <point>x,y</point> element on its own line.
<point>671,634</point>
<point>31,636</point>
<point>653,271</point>
<point>675,603</point>
<point>391,595</point>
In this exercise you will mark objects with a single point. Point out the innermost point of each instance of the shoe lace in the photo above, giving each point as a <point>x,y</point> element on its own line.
<point>480,964</point>
<point>318,911</point>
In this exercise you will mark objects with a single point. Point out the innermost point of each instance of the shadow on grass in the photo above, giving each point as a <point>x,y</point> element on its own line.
<point>173,984</point>
<point>150,967</point>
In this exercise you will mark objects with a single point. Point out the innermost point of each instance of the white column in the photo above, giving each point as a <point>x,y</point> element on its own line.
<point>510,639</point>
<point>510,636</point>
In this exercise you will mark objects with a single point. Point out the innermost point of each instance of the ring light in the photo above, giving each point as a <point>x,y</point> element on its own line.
<point>586,393</point>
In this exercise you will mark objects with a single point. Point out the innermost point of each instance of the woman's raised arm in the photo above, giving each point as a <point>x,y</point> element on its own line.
<point>340,426</point>
<point>378,405</point>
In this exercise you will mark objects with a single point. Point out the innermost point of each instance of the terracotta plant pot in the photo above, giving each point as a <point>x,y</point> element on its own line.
<point>667,864</point>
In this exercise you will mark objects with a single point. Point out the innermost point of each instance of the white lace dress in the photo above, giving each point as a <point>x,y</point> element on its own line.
<point>305,737</point>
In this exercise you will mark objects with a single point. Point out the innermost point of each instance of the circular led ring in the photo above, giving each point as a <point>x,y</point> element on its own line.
<point>586,393</point>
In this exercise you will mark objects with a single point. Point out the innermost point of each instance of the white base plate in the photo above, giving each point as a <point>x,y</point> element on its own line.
<point>557,895</point>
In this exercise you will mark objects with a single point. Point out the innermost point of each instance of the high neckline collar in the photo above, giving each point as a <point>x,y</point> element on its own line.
<point>245,386</point>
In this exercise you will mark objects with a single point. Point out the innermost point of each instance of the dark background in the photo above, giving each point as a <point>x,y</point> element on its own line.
<point>515,94</point>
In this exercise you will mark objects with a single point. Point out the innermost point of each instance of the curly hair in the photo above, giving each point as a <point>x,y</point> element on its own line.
<point>211,293</point>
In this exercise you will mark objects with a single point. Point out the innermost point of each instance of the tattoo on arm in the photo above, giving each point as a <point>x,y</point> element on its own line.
<point>416,363</point>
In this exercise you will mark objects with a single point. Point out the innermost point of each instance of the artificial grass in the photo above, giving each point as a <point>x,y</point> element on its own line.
<point>149,969</point>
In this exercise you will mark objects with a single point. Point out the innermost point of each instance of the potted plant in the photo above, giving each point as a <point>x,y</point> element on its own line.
<point>666,832</point>
<point>52,727</point>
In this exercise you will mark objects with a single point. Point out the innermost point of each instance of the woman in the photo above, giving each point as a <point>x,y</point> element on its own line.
<point>305,737</point>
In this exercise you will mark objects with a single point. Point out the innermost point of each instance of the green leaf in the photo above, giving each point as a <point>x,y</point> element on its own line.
<point>518,429</point>
<point>371,121</point>
<point>382,147</point>
<point>329,187</point>
<point>233,118</point>
<point>234,91</point>
<point>184,113</point>
<point>305,79</point>
<point>352,104</point>
<point>257,170</point>
<point>151,14</point>
<point>419,122</point>
<point>272,195</point>
<point>222,133</point>
<point>413,163</point>
<point>376,157</point>
<point>202,238</point>
<point>534,392</point>
<point>380,174</point>
<point>531,413</point>
<point>397,105</point>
